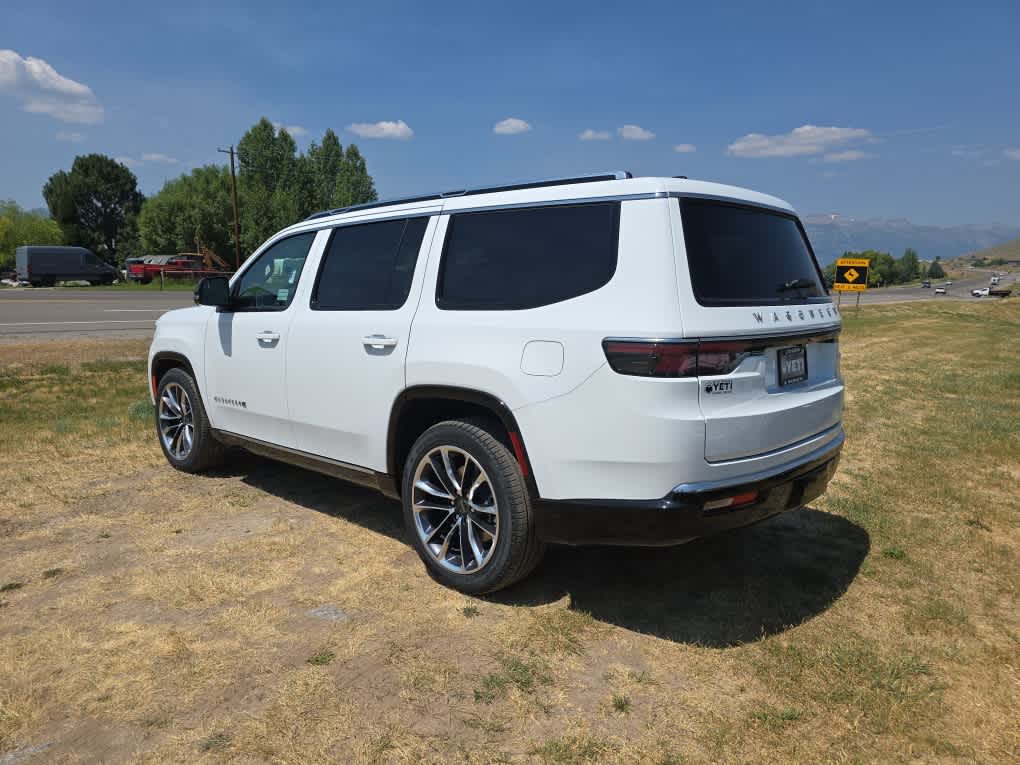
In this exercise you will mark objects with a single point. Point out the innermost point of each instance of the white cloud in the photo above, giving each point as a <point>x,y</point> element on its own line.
<point>594,135</point>
<point>635,133</point>
<point>850,155</point>
<point>70,136</point>
<point>154,157</point>
<point>43,90</point>
<point>685,148</point>
<point>1011,153</point>
<point>128,161</point>
<point>296,131</point>
<point>802,141</point>
<point>398,130</point>
<point>511,126</point>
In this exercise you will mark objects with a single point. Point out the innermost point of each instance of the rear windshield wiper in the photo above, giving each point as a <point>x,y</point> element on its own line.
<point>796,284</point>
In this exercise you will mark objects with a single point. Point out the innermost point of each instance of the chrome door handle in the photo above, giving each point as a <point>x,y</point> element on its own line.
<point>379,341</point>
<point>267,337</point>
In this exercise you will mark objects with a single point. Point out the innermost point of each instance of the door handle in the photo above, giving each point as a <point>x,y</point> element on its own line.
<point>268,336</point>
<point>379,341</point>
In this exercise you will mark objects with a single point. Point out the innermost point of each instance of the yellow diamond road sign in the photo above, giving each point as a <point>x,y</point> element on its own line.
<point>851,274</point>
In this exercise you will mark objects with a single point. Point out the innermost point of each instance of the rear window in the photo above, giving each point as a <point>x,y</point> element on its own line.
<point>741,255</point>
<point>507,260</point>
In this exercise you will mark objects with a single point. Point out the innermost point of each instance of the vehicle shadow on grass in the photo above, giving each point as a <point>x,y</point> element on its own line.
<point>315,491</point>
<point>734,588</point>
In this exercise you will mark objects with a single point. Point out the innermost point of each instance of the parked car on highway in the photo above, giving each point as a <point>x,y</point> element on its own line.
<point>551,361</point>
<point>41,265</point>
<point>925,284</point>
<point>940,290</point>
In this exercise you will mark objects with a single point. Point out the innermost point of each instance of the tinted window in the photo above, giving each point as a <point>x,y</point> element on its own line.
<point>747,256</point>
<point>270,282</point>
<point>514,259</point>
<point>369,266</point>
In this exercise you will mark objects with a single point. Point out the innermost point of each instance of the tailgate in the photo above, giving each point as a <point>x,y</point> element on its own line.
<point>757,409</point>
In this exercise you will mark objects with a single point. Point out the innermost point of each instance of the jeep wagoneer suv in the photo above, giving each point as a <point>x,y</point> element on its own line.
<point>604,359</point>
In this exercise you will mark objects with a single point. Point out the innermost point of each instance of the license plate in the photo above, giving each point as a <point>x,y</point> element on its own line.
<point>792,365</point>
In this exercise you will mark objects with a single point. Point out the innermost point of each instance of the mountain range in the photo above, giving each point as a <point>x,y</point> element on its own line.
<point>831,235</point>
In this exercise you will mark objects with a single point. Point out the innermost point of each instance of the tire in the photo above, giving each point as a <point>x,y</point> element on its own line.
<point>146,280</point>
<point>93,283</point>
<point>180,413</point>
<point>493,483</point>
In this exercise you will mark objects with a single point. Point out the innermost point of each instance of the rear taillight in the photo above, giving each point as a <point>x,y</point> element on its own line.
<point>678,358</point>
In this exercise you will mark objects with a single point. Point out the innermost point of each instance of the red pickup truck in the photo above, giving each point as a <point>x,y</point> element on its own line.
<point>146,269</point>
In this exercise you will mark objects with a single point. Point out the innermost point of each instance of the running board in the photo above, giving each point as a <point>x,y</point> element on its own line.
<point>334,468</point>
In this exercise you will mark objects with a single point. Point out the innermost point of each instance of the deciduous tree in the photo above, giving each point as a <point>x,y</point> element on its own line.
<point>96,204</point>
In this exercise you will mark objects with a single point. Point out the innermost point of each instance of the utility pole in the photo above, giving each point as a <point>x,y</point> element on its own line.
<point>233,192</point>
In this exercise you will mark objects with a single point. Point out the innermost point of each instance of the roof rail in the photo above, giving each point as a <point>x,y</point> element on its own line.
<point>617,175</point>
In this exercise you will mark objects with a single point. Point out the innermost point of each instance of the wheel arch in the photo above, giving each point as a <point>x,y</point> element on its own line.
<point>420,407</point>
<point>163,362</point>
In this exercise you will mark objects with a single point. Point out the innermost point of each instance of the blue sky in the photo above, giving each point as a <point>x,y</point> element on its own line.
<point>893,109</point>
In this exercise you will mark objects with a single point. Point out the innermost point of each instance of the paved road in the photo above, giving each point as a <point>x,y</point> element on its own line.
<point>960,289</point>
<point>28,314</point>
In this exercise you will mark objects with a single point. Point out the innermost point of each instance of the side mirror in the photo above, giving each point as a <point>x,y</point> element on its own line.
<point>213,290</point>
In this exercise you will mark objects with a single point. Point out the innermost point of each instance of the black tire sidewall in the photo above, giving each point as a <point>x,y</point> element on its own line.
<point>494,572</point>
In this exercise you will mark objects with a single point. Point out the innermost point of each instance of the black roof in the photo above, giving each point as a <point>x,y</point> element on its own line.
<point>611,176</point>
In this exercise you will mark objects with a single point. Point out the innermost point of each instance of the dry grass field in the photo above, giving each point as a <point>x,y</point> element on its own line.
<point>268,614</point>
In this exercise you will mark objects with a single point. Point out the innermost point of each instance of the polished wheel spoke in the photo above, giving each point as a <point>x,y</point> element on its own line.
<point>484,509</point>
<point>435,529</point>
<point>455,510</point>
<point>432,490</point>
<point>451,474</point>
<point>485,526</point>
<point>475,549</point>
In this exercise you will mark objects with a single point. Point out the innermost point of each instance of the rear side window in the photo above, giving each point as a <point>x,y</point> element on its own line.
<point>369,266</point>
<point>741,255</point>
<point>526,258</point>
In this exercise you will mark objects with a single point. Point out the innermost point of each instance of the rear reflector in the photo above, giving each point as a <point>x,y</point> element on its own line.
<point>651,358</point>
<point>738,500</point>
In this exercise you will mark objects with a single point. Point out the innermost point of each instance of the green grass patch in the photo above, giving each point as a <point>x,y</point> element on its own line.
<point>573,749</point>
<point>321,658</point>
<point>525,674</point>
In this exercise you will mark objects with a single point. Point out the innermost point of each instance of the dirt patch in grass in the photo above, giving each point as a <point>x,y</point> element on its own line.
<point>264,613</point>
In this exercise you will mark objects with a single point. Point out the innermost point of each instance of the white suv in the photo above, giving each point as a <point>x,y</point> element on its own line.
<point>604,359</point>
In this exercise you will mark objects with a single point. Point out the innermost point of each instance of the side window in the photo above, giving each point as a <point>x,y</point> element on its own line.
<point>369,266</point>
<point>526,258</point>
<point>270,282</point>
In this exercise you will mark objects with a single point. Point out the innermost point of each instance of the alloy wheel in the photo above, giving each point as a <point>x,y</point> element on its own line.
<point>176,421</point>
<point>455,510</point>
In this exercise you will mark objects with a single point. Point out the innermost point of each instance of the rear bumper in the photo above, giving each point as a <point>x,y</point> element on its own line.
<point>681,516</point>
